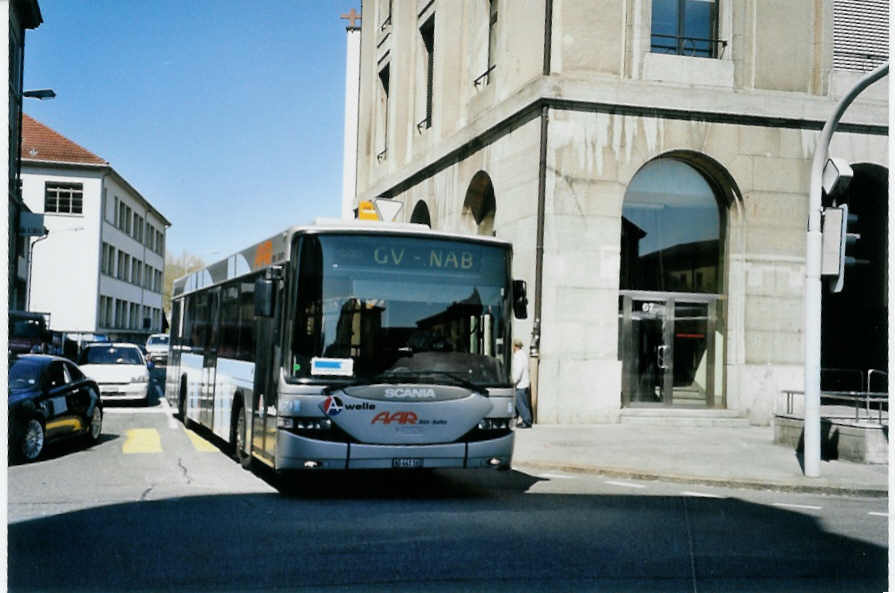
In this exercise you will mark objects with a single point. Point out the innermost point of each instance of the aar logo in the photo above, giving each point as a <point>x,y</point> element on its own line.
<point>332,406</point>
<point>397,417</point>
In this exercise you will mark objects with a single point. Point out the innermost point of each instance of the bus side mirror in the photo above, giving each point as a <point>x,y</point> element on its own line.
<point>263,298</point>
<point>520,300</point>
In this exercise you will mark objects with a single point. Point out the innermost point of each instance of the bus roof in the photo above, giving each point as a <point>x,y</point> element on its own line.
<point>275,249</point>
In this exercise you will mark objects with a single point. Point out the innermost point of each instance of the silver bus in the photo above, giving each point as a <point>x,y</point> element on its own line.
<point>352,344</point>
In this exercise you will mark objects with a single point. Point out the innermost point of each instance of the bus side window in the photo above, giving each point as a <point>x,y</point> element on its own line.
<point>246,349</point>
<point>229,332</point>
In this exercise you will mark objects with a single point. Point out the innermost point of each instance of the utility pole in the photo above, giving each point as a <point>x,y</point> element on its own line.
<point>812,275</point>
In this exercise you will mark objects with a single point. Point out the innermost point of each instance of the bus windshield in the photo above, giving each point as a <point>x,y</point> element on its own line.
<point>378,308</point>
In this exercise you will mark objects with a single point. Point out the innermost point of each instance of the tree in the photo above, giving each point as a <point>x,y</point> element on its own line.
<point>176,267</point>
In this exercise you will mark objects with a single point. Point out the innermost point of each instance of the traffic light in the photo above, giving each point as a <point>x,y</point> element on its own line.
<point>839,241</point>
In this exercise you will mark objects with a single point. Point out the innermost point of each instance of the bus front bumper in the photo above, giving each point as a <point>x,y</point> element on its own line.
<point>296,452</point>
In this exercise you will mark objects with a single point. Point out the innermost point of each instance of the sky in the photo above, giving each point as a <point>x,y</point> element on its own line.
<point>226,115</point>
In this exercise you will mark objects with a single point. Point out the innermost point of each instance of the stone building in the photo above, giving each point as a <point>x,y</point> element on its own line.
<point>650,161</point>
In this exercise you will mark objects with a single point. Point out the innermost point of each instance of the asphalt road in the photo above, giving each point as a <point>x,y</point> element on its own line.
<point>154,507</point>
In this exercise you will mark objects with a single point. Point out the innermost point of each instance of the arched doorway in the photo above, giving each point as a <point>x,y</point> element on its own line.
<point>854,325</point>
<point>479,207</point>
<point>670,286</point>
<point>420,214</point>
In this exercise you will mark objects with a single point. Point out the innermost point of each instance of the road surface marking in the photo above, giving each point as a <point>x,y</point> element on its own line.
<point>875,514</point>
<point>624,484</point>
<point>701,494</point>
<point>809,507</point>
<point>556,477</point>
<point>172,423</point>
<point>199,443</point>
<point>142,440</point>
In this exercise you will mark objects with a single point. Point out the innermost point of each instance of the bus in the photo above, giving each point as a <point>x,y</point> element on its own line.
<point>351,345</point>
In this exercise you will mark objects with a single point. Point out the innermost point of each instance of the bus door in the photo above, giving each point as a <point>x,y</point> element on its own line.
<point>267,364</point>
<point>210,360</point>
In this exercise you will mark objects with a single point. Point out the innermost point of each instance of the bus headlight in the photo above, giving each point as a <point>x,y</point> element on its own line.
<point>494,424</point>
<point>305,424</point>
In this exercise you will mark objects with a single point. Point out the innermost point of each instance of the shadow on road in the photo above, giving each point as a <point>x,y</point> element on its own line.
<point>449,532</point>
<point>57,449</point>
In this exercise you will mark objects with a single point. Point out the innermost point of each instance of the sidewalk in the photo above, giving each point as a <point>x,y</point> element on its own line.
<point>742,457</point>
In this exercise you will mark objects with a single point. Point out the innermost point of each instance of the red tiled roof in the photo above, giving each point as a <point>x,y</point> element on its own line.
<point>40,143</point>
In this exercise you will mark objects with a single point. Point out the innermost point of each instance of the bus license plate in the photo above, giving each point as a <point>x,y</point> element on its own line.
<point>407,462</point>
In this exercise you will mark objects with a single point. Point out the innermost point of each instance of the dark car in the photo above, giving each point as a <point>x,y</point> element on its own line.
<point>49,399</point>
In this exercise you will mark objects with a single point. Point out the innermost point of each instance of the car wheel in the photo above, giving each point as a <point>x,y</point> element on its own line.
<point>33,439</point>
<point>239,440</point>
<point>96,426</point>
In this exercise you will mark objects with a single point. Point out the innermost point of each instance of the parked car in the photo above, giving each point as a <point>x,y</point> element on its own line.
<point>119,369</point>
<point>157,348</point>
<point>50,398</point>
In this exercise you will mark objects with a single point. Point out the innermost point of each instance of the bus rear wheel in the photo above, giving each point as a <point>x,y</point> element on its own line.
<point>239,437</point>
<point>181,404</point>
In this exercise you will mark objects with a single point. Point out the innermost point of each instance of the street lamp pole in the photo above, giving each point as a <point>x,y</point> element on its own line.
<point>30,261</point>
<point>812,275</point>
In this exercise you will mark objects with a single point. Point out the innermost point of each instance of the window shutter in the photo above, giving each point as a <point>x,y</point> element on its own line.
<point>860,34</point>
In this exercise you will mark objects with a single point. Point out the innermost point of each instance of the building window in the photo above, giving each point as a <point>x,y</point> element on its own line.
<point>127,219</point>
<point>64,198</point>
<point>427,36</point>
<point>115,214</point>
<point>686,27</point>
<point>671,230</point>
<point>382,114</point>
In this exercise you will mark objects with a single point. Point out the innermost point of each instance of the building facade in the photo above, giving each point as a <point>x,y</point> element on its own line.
<point>650,161</point>
<point>23,15</point>
<point>100,269</point>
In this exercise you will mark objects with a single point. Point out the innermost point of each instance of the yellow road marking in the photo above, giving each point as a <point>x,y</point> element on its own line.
<point>199,443</point>
<point>142,440</point>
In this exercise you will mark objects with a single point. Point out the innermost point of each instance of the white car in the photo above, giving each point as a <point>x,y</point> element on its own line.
<point>119,370</point>
<point>157,348</point>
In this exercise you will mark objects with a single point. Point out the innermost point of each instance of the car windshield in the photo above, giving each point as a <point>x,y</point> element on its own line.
<point>408,309</point>
<point>24,374</point>
<point>157,341</point>
<point>111,355</point>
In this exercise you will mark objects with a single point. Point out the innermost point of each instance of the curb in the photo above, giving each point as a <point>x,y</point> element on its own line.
<point>615,472</point>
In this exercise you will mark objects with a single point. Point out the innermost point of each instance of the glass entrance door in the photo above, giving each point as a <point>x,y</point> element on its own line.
<point>667,346</point>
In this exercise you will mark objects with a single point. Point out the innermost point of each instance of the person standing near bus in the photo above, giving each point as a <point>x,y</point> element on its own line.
<point>523,384</point>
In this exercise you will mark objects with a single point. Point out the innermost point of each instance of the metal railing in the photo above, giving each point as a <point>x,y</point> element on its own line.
<point>867,402</point>
<point>687,46</point>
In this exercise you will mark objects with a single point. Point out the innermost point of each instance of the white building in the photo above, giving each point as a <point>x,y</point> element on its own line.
<point>100,269</point>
